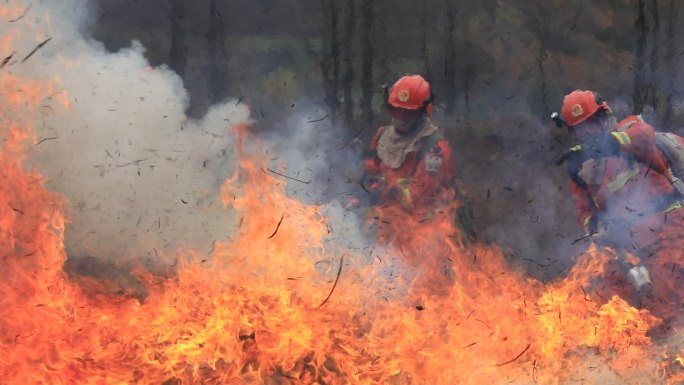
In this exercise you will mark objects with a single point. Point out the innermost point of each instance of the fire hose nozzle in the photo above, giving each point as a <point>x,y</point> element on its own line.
<point>560,123</point>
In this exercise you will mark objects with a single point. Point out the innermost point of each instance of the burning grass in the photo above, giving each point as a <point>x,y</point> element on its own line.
<point>252,313</point>
<point>276,304</point>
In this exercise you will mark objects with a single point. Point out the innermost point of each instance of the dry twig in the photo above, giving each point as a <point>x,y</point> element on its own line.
<point>339,271</point>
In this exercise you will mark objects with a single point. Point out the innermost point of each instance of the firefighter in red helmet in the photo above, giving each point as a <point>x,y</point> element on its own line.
<point>409,173</point>
<point>410,160</point>
<point>625,192</point>
<point>409,163</point>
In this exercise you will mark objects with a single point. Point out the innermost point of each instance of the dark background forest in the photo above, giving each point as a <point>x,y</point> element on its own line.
<point>498,69</point>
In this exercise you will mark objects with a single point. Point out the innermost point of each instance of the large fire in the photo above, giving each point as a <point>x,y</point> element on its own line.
<point>276,304</point>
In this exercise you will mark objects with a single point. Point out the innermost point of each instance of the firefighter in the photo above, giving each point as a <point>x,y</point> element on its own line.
<point>409,174</point>
<point>410,161</point>
<point>622,184</point>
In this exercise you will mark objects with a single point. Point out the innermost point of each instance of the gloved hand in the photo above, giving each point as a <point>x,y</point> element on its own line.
<point>373,186</point>
<point>573,154</point>
<point>400,192</point>
<point>574,157</point>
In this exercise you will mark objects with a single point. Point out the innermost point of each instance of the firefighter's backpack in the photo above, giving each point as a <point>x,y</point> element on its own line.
<point>672,147</point>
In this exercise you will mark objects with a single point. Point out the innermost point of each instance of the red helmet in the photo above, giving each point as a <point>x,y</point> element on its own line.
<point>411,92</point>
<point>579,106</point>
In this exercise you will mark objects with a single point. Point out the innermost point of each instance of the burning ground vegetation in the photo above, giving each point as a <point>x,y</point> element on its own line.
<point>276,303</point>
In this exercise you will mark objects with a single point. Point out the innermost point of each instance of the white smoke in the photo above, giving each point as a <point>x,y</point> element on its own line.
<point>322,165</point>
<point>141,177</point>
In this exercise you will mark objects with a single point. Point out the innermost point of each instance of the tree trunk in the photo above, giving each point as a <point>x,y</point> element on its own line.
<point>670,59</point>
<point>640,89</point>
<point>541,30</point>
<point>217,54</point>
<point>177,54</point>
<point>348,103</point>
<point>654,78</point>
<point>450,58</point>
<point>330,63</point>
<point>468,70</point>
<point>381,51</point>
<point>424,48</point>
<point>367,67</point>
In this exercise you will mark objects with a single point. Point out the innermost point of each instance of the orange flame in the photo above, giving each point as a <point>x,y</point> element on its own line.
<point>257,310</point>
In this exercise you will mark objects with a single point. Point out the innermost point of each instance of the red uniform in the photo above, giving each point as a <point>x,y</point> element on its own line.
<point>633,196</point>
<point>629,186</point>
<point>410,172</point>
<point>413,178</point>
<point>419,178</point>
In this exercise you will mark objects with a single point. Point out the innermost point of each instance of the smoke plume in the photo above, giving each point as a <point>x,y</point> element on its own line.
<point>141,177</point>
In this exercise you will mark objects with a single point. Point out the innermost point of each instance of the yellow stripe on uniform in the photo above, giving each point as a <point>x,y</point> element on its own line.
<point>403,184</point>
<point>674,206</point>
<point>622,137</point>
<point>406,193</point>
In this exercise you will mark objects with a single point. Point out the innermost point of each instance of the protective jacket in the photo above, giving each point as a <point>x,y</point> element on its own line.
<point>625,190</point>
<point>415,170</point>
